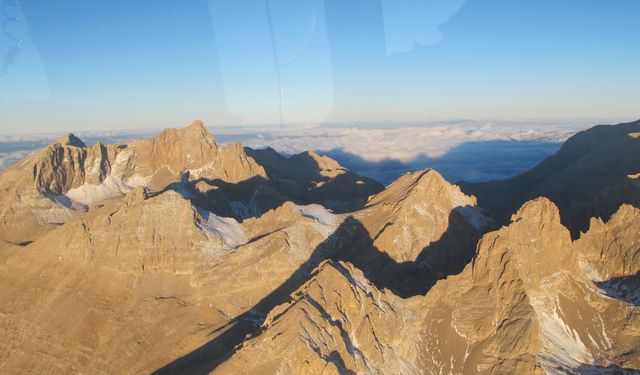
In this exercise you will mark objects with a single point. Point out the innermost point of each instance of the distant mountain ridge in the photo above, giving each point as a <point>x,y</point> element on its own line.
<point>594,172</point>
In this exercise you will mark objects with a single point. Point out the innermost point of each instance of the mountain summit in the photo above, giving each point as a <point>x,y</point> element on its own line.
<point>70,140</point>
<point>178,255</point>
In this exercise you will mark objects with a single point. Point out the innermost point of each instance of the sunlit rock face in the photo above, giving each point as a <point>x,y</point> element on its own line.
<point>176,255</point>
<point>530,302</point>
<point>535,302</point>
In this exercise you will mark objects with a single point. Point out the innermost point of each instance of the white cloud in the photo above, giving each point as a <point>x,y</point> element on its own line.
<point>403,143</point>
<point>9,158</point>
<point>465,150</point>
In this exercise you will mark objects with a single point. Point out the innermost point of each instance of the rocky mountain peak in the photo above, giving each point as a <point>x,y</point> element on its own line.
<point>424,181</point>
<point>308,177</point>
<point>198,127</point>
<point>535,307</point>
<point>423,185</point>
<point>539,210</point>
<point>195,135</point>
<point>322,163</point>
<point>69,139</point>
<point>397,220</point>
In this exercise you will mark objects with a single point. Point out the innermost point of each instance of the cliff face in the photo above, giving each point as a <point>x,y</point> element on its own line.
<point>336,323</point>
<point>178,256</point>
<point>418,210</point>
<point>529,303</point>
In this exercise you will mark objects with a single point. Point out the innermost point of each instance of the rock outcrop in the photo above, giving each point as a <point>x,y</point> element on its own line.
<point>132,284</point>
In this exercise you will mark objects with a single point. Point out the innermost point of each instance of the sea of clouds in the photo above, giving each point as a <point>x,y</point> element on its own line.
<point>467,150</point>
<point>461,150</point>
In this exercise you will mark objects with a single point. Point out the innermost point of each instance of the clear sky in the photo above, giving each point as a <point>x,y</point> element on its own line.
<point>124,64</point>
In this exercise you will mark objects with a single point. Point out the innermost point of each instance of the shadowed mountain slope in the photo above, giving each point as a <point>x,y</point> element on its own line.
<point>594,172</point>
<point>527,304</point>
<point>311,178</point>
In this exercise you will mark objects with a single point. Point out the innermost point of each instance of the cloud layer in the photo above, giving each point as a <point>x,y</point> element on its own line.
<point>471,151</point>
<point>466,150</point>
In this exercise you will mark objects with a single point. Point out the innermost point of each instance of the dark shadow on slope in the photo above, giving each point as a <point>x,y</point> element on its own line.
<point>241,200</point>
<point>350,242</point>
<point>588,177</point>
<point>299,179</point>
<point>609,370</point>
<point>21,244</point>
<point>309,178</point>
<point>624,288</point>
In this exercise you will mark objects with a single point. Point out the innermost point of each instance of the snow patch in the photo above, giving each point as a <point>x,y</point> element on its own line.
<point>88,194</point>
<point>202,171</point>
<point>458,198</point>
<point>324,219</point>
<point>121,164</point>
<point>563,348</point>
<point>473,216</point>
<point>137,181</point>
<point>228,230</point>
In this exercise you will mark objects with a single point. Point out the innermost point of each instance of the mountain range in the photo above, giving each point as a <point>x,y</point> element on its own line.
<point>177,255</point>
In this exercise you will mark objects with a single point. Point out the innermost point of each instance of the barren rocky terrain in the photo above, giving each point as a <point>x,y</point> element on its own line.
<point>177,255</point>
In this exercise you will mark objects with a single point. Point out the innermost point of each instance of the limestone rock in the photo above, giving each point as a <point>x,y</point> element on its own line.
<point>336,323</point>
<point>535,309</point>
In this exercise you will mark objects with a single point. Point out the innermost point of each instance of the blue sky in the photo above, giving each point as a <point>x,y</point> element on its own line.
<point>120,64</point>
